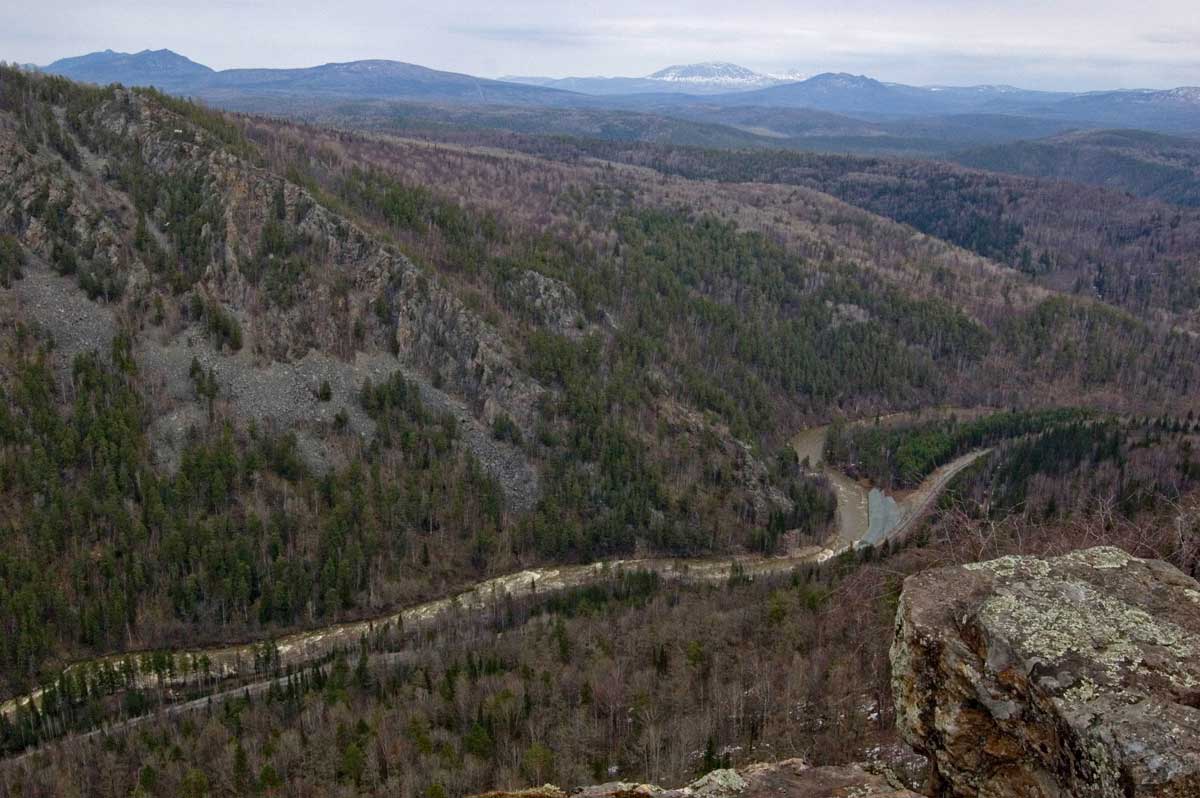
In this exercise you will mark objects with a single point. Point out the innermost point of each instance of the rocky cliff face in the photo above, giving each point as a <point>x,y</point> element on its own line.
<point>1046,678</point>
<point>178,228</point>
<point>792,778</point>
<point>146,194</point>
<point>352,280</point>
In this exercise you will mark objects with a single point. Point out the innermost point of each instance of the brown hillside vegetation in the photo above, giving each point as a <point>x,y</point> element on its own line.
<point>1134,253</point>
<point>256,377</point>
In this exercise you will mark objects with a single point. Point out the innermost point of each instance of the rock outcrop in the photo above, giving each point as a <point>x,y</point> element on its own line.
<point>1045,678</point>
<point>349,307</point>
<point>792,778</point>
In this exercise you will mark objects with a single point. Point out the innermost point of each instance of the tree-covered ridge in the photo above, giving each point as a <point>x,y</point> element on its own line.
<point>1130,252</point>
<point>567,232</point>
<point>902,455</point>
<point>770,320</point>
<point>68,119</point>
<point>1127,467</point>
<point>1147,164</point>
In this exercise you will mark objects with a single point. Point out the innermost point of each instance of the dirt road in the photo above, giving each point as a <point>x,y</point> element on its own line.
<point>854,498</point>
<point>192,669</point>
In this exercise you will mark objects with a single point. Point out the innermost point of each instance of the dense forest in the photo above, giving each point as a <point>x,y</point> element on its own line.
<point>1153,165</point>
<point>103,551</point>
<point>662,335</point>
<point>257,377</point>
<point>1131,252</point>
<point>1125,467</point>
<point>246,534</point>
<point>902,455</point>
<point>1045,465</point>
<point>862,276</point>
<point>637,678</point>
<point>608,682</point>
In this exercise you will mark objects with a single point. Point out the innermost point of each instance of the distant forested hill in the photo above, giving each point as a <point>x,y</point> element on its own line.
<point>1152,165</point>
<point>1134,253</point>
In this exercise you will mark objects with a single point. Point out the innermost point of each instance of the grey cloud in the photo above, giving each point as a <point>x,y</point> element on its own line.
<point>560,37</point>
<point>1174,37</point>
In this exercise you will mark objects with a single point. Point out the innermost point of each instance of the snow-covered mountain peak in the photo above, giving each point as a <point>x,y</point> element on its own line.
<point>713,73</point>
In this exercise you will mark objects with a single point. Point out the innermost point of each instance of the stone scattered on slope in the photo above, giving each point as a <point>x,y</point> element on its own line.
<point>792,778</point>
<point>1045,678</point>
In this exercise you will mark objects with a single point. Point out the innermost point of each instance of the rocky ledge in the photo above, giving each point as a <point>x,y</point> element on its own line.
<point>791,778</point>
<point>1046,678</point>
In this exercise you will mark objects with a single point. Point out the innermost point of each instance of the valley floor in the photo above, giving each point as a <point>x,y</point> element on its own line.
<point>854,498</point>
<point>203,669</point>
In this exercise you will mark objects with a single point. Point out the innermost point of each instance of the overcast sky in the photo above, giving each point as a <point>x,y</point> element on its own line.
<point>1059,44</point>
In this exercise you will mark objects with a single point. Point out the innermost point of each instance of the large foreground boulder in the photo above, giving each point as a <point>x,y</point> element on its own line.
<point>1070,676</point>
<point>792,778</point>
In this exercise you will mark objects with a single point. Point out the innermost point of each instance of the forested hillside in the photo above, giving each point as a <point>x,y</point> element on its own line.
<point>819,235</point>
<point>257,377</point>
<point>1152,165</point>
<point>642,347</point>
<point>638,678</point>
<point>215,510</point>
<point>1133,253</point>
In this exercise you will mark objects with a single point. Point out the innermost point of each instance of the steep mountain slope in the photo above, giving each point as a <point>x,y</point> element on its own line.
<point>267,352</point>
<point>1150,165</point>
<point>246,325</point>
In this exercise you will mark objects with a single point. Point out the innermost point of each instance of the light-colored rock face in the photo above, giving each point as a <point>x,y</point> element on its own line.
<point>548,302</point>
<point>409,319</point>
<point>1046,678</point>
<point>792,778</point>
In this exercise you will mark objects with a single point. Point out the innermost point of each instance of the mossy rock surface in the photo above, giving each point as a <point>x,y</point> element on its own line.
<point>1075,675</point>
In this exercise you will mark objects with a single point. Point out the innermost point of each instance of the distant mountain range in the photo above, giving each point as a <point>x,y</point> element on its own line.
<point>713,77</point>
<point>845,93</point>
<point>162,68</point>
<point>772,107</point>
<point>375,79</point>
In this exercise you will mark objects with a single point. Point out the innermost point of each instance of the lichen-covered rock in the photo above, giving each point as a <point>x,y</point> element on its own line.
<point>792,778</point>
<point>1045,678</point>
